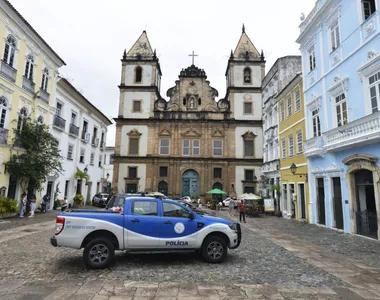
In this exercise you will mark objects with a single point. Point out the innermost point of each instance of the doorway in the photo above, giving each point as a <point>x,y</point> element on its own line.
<point>337,203</point>
<point>366,214</point>
<point>190,183</point>
<point>131,188</point>
<point>321,201</point>
<point>12,188</point>
<point>49,188</point>
<point>301,199</point>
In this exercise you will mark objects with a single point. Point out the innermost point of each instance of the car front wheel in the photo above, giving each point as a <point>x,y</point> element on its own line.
<point>99,254</point>
<point>214,249</point>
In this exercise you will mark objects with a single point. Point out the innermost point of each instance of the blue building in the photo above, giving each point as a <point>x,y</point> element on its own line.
<point>340,45</point>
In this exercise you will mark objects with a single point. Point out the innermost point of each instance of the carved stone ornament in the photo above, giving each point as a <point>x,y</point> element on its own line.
<point>312,77</point>
<point>365,158</point>
<point>160,104</point>
<point>247,97</point>
<point>164,132</point>
<point>218,133</point>
<point>335,58</point>
<point>249,135</point>
<point>223,105</point>
<point>134,132</point>
<point>368,28</point>
<point>371,54</point>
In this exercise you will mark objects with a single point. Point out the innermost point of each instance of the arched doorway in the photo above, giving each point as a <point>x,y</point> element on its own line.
<point>190,183</point>
<point>163,187</point>
<point>366,215</point>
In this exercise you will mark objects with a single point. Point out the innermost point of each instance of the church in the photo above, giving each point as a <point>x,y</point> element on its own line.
<point>190,142</point>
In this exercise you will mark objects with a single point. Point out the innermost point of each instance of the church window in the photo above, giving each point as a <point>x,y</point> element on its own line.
<point>133,146</point>
<point>289,104</point>
<point>138,74</point>
<point>312,63</point>
<point>248,148</point>
<point>217,173</point>
<point>164,146</point>
<point>248,108</point>
<point>163,171</point>
<point>247,75</point>
<point>132,172</point>
<point>3,111</point>
<point>297,97</point>
<point>45,79</point>
<point>291,145</point>
<point>217,148</point>
<point>249,175</point>
<point>335,36</point>
<point>29,67</point>
<point>282,111</point>
<point>369,8</point>
<point>10,50</point>
<point>196,147</point>
<point>186,148</point>
<point>199,101</point>
<point>136,106</point>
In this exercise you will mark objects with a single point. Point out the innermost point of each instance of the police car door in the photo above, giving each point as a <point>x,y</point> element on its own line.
<point>176,229</point>
<point>141,224</point>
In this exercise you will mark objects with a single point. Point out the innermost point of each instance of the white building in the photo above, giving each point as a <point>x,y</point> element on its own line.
<point>281,73</point>
<point>108,169</point>
<point>81,130</point>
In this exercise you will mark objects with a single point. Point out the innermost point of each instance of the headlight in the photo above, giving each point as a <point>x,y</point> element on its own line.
<point>233,226</point>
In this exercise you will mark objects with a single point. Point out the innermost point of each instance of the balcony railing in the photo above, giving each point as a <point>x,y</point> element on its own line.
<point>363,130</point>
<point>85,136</point>
<point>314,146</point>
<point>95,141</point>
<point>74,130</point>
<point>8,72</point>
<point>102,145</point>
<point>59,122</point>
<point>28,85</point>
<point>44,95</point>
<point>3,136</point>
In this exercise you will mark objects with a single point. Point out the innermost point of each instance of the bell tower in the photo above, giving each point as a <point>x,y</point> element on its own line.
<point>140,80</point>
<point>244,74</point>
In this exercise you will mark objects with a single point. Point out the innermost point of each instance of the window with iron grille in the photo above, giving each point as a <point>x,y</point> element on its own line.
<point>163,171</point>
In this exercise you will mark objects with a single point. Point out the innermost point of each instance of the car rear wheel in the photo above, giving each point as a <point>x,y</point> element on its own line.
<point>99,254</point>
<point>214,249</point>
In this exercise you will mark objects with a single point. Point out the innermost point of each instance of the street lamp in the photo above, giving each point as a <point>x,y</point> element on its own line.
<point>293,169</point>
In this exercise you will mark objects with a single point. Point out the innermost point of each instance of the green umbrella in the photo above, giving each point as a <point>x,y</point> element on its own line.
<point>216,192</point>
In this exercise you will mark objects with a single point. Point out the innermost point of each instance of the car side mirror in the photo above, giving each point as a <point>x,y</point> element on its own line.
<point>191,216</point>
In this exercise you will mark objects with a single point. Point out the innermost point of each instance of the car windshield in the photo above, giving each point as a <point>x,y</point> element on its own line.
<point>116,201</point>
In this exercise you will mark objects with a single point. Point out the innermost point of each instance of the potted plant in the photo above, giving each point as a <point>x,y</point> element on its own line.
<point>8,207</point>
<point>78,200</point>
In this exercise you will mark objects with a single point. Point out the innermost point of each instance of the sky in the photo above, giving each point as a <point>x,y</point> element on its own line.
<point>91,35</point>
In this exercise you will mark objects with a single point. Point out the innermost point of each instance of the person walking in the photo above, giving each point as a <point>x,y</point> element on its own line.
<point>33,201</point>
<point>242,211</point>
<point>46,199</point>
<point>23,205</point>
<point>231,207</point>
<point>235,205</point>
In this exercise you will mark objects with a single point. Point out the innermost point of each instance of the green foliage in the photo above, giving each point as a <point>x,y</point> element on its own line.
<point>82,175</point>
<point>57,204</point>
<point>34,154</point>
<point>8,205</point>
<point>78,199</point>
<point>276,188</point>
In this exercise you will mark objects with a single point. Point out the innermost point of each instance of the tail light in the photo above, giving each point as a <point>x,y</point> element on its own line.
<point>60,224</point>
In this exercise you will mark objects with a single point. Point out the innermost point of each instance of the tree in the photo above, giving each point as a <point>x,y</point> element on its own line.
<point>34,155</point>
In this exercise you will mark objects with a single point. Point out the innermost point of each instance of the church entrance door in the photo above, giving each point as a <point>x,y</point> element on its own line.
<point>190,183</point>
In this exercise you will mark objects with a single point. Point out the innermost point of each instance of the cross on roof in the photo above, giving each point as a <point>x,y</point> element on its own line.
<point>193,55</point>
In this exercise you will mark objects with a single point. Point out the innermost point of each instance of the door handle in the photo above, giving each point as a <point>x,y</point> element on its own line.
<point>168,222</point>
<point>135,220</point>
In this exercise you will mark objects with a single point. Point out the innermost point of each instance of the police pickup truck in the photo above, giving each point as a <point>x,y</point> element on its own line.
<point>144,225</point>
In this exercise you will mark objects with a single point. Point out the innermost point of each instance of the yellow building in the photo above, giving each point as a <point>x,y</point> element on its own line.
<point>293,164</point>
<point>28,70</point>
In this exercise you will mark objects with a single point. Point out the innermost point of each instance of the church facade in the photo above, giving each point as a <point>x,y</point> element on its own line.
<point>191,142</point>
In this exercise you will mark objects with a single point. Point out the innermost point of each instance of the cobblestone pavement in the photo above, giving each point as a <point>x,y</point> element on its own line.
<point>269,264</point>
<point>13,222</point>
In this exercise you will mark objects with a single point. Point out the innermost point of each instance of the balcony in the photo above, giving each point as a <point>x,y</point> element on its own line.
<point>28,85</point>
<point>44,95</point>
<point>85,136</point>
<point>362,131</point>
<point>8,72</point>
<point>3,136</point>
<point>59,122</point>
<point>314,146</point>
<point>73,130</point>
<point>102,145</point>
<point>95,141</point>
